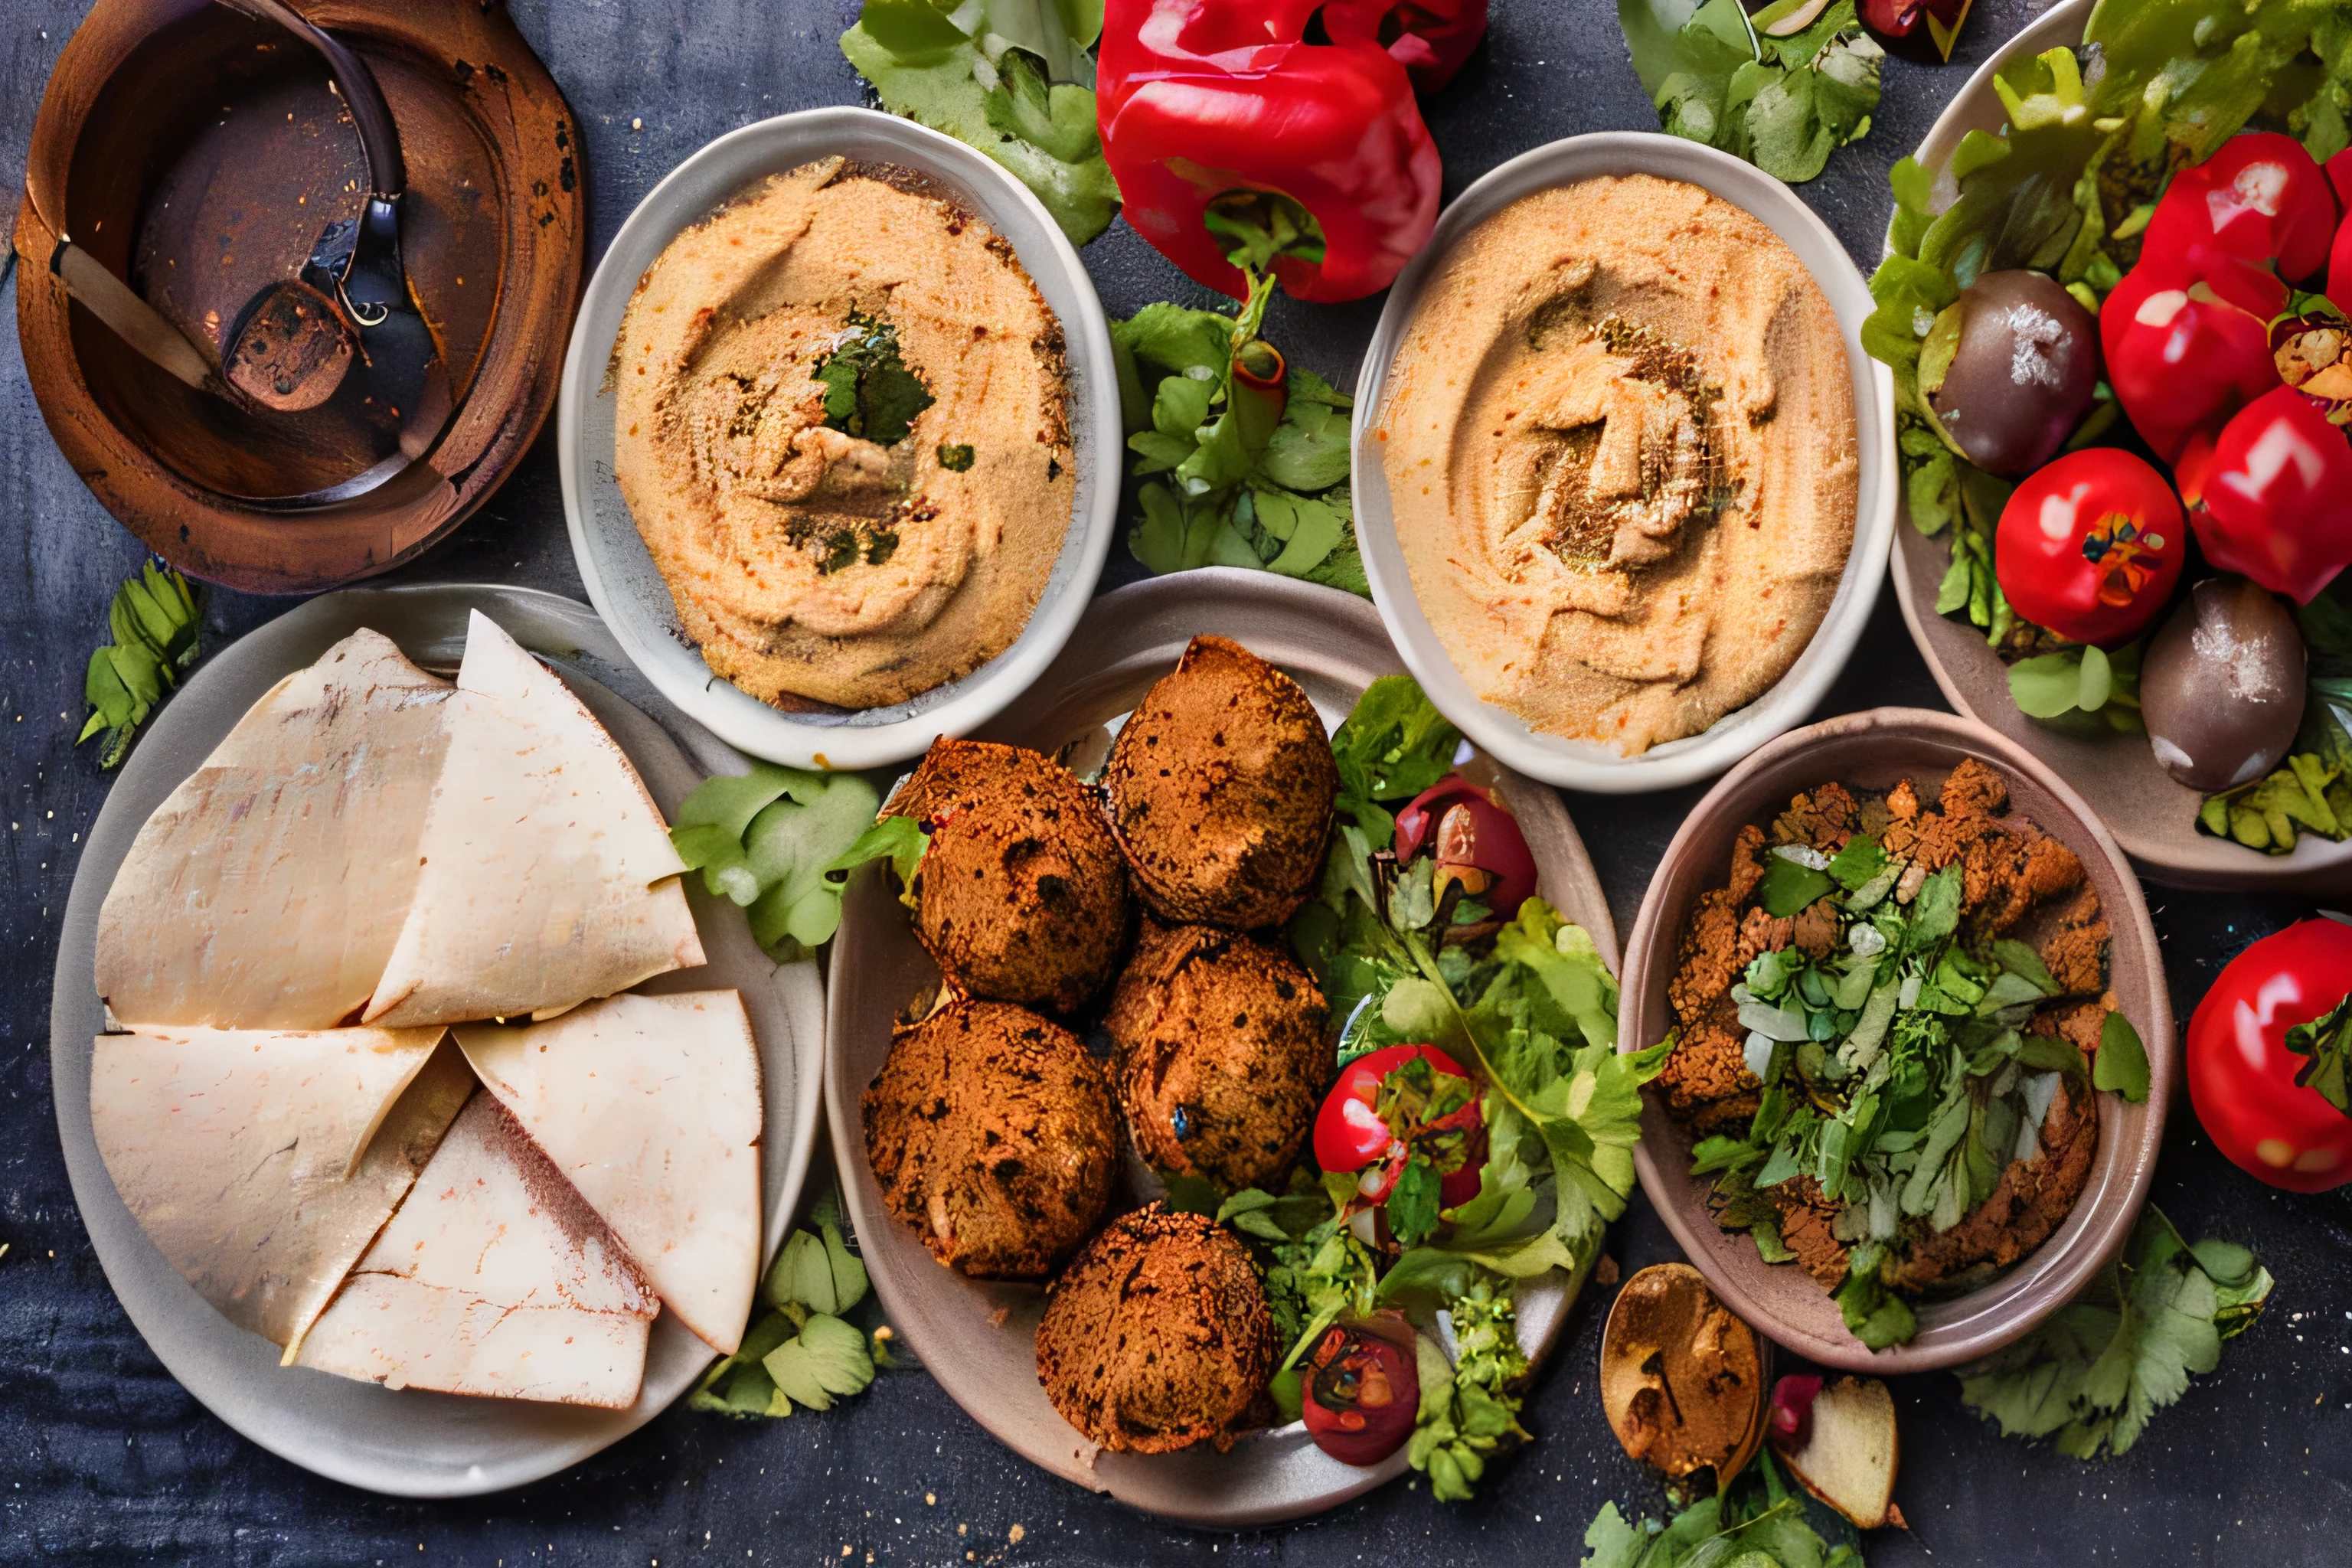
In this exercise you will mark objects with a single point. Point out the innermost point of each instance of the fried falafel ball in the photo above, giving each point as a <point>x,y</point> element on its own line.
<point>1158,1335</point>
<point>995,1135</point>
<point>1220,789</point>
<point>1222,1060</point>
<point>1022,896</point>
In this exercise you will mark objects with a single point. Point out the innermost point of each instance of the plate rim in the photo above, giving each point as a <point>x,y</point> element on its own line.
<point>741,720</point>
<point>2313,861</point>
<point>569,634</point>
<point>1221,587</point>
<point>1802,688</point>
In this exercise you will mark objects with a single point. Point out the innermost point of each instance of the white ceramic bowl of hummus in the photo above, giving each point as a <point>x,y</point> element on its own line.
<point>1841,595</point>
<point>630,590</point>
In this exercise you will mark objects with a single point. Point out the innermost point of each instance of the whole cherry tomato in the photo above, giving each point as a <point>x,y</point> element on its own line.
<point>2243,1075</point>
<point>2185,340</point>
<point>1350,1135</point>
<point>2259,196</point>
<point>1361,1391</point>
<point>1469,831</point>
<point>2091,545</point>
<point>2276,501</point>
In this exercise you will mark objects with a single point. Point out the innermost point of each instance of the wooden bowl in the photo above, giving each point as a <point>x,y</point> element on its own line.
<point>2153,816</point>
<point>1872,751</point>
<point>196,152</point>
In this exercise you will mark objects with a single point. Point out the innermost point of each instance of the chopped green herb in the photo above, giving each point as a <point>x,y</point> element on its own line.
<point>869,392</point>
<point>955,459</point>
<point>2122,1065</point>
<point>802,1352</point>
<point>2327,1041</point>
<point>775,840</point>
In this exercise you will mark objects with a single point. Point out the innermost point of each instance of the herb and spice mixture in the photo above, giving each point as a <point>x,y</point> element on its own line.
<point>1888,1019</point>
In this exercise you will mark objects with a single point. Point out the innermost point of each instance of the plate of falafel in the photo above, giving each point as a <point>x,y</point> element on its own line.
<point>1227,1101</point>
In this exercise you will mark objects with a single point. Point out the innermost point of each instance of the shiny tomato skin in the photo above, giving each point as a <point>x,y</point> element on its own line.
<point>2241,1074</point>
<point>2091,546</point>
<point>2259,196</point>
<point>1502,849</point>
<point>2277,496</point>
<point>2186,343</point>
<point>1360,1396</point>
<point>1344,1136</point>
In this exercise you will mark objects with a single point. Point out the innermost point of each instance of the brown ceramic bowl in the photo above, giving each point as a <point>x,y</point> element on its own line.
<point>178,130</point>
<point>2152,816</point>
<point>978,1337</point>
<point>1872,751</point>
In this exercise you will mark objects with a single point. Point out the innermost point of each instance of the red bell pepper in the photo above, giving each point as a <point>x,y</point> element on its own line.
<point>2091,546</point>
<point>2277,497</point>
<point>2185,339</point>
<point>1222,108</point>
<point>1469,831</point>
<point>2259,198</point>
<point>1432,38</point>
<point>2267,1050</point>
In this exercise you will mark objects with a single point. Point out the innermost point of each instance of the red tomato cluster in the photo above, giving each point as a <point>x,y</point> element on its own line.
<point>1350,1134</point>
<point>2199,341</point>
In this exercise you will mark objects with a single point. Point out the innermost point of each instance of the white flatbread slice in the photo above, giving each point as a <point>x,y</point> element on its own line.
<point>650,1105</point>
<point>262,1165</point>
<point>547,876</point>
<point>269,889</point>
<point>493,1278</point>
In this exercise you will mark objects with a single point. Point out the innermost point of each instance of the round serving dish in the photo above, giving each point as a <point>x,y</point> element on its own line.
<point>1872,751</point>
<point>411,1443</point>
<point>978,1338</point>
<point>621,577</point>
<point>1578,765</point>
<point>2151,816</point>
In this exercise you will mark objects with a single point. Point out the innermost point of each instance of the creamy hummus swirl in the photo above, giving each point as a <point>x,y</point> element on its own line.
<point>1619,445</point>
<point>809,562</point>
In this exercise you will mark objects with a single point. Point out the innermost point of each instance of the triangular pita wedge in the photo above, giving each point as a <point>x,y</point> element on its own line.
<point>547,876</point>
<point>493,1278</point>
<point>269,889</point>
<point>263,1164</point>
<point>651,1106</point>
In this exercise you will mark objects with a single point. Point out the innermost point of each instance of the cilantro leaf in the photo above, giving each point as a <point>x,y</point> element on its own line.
<point>2122,1062</point>
<point>2327,1041</point>
<point>1019,88</point>
<point>1392,745</point>
<point>1782,102</point>
<point>771,840</point>
<point>2094,1373</point>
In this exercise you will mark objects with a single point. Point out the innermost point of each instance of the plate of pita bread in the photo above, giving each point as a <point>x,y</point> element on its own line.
<point>431,1125</point>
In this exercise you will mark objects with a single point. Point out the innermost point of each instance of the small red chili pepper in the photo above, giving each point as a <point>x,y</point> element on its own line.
<point>2186,340</point>
<point>2277,497</point>
<point>1432,38</point>
<point>2091,545</point>
<point>2260,197</point>
<point>1472,832</point>
<point>2262,1100</point>
<point>1225,106</point>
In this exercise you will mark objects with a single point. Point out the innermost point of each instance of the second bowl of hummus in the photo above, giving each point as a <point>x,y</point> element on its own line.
<point>839,438</point>
<point>1625,479</point>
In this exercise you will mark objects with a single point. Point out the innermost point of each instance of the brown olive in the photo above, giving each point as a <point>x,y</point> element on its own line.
<point>2223,686</point>
<point>2022,373</point>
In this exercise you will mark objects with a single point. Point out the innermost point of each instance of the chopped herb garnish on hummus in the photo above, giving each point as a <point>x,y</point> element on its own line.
<point>869,392</point>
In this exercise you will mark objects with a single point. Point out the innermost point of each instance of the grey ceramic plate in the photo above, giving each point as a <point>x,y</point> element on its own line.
<point>1872,751</point>
<point>1332,643</point>
<point>622,579</point>
<point>2151,816</point>
<point>412,1443</point>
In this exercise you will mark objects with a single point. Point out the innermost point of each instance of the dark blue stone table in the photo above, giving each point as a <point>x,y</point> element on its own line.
<point>103,1458</point>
